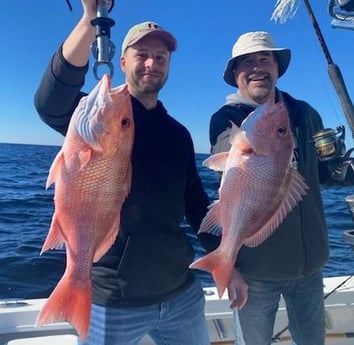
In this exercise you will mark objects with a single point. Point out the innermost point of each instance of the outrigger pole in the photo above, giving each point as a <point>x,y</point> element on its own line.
<point>286,8</point>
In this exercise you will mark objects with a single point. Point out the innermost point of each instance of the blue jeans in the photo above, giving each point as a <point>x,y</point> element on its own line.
<point>304,304</point>
<point>179,321</point>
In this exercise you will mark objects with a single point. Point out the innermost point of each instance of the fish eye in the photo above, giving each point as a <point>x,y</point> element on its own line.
<point>125,122</point>
<point>282,131</point>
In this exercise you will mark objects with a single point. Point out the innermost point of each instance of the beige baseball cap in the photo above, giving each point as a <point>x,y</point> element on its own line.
<point>138,31</point>
<point>253,42</point>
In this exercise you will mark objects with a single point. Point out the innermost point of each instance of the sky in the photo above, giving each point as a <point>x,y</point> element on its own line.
<point>205,30</point>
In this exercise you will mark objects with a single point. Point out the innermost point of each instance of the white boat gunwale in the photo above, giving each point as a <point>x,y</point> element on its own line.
<point>17,318</point>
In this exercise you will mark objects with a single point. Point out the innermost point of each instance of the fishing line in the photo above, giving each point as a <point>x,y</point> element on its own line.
<point>276,337</point>
<point>325,86</point>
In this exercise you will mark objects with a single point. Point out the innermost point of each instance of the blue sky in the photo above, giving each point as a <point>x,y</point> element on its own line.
<point>206,31</point>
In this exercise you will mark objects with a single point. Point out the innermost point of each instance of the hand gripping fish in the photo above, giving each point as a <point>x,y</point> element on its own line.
<point>258,188</point>
<point>92,175</point>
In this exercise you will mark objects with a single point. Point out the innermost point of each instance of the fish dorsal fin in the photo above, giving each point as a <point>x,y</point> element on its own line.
<point>210,223</point>
<point>297,188</point>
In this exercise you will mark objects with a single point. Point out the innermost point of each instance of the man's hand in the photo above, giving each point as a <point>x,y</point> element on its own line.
<point>338,168</point>
<point>237,290</point>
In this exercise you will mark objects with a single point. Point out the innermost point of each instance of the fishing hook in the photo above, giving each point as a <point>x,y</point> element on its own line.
<point>102,48</point>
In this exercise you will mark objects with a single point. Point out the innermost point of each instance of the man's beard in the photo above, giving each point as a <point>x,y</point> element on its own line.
<point>260,95</point>
<point>149,88</point>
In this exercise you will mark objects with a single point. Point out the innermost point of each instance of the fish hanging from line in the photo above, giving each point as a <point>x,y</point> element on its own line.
<point>258,189</point>
<point>92,175</point>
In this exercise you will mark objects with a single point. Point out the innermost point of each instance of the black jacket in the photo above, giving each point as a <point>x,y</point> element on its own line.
<point>300,245</point>
<point>148,262</point>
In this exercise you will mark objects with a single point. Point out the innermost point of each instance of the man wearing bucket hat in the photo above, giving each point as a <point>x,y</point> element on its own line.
<point>290,262</point>
<point>143,284</point>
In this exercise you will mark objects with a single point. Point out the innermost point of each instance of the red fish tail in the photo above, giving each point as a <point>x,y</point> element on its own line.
<point>69,302</point>
<point>218,266</point>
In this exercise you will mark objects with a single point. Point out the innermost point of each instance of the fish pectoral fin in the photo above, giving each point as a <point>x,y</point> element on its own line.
<point>235,131</point>
<point>55,238</point>
<point>296,190</point>
<point>216,162</point>
<point>55,168</point>
<point>239,138</point>
<point>210,223</point>
<point>242,143</point>
<point>84,157</point>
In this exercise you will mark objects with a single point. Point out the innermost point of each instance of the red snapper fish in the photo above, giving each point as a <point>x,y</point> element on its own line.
<point>257,190</point>
<point>92,175</point>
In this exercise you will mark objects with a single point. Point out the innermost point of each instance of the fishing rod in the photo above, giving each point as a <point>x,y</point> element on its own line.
<point>284,9</point>
<point>328,144</point>
<point>334,72</point>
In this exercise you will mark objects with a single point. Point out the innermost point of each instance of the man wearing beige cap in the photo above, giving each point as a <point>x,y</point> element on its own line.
<point>290,262</point>
<point>142,285</point>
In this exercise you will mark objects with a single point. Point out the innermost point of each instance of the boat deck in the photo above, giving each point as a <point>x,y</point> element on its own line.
<point>17,319</point>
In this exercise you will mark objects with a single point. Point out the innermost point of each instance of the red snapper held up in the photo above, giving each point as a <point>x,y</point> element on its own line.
<point>92,175</point>
<point>257,190</point>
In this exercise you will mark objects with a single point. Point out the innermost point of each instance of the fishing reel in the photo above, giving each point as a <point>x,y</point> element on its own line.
<point>330,146</point>
<point>343,13</point>
<point>329,143</point>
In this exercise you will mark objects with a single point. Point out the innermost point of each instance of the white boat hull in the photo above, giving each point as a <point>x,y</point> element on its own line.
<point>17,319</point>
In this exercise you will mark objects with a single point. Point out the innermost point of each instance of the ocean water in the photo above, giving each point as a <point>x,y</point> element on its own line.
<point>26,209</point>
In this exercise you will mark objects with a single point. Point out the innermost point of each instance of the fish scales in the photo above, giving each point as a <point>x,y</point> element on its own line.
<point>92,176</point>
<point>257,190</point>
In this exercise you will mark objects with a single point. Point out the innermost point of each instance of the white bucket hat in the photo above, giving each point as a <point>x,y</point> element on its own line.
<point>138,31</point>
<point>253,42</point>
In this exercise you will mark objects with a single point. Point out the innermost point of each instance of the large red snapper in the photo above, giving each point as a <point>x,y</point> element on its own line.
<point>258,188</point>
<point>92,175</point>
